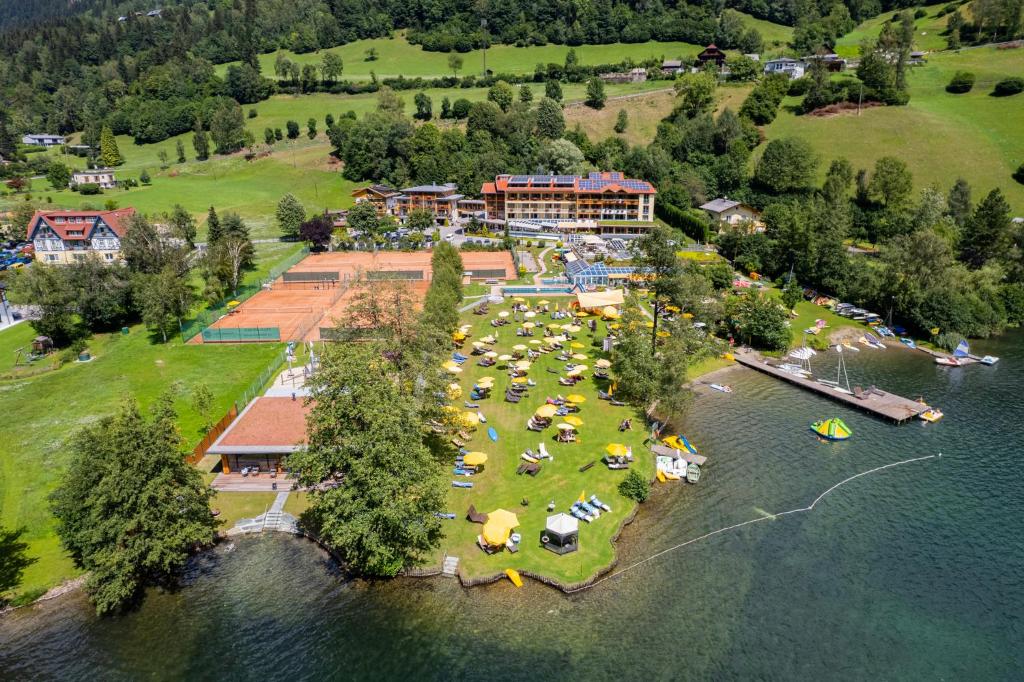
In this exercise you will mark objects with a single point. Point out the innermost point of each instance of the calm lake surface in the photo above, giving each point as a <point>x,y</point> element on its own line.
<point>915,572</point>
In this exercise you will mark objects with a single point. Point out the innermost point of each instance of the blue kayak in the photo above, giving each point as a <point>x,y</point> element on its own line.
<point>492,434</point>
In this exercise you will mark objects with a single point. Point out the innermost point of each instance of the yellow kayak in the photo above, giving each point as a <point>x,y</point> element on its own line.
<point>513,575</point>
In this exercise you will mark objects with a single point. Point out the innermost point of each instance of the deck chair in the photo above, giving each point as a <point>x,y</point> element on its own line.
<point>476,517</point>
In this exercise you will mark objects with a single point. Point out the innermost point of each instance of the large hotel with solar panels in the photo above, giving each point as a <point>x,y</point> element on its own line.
<point>568,199</point>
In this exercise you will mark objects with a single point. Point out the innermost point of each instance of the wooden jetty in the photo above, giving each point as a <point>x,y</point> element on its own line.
<point>876,401</point>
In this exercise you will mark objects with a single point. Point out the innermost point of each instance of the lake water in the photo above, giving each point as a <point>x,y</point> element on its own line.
<point>914,572</point>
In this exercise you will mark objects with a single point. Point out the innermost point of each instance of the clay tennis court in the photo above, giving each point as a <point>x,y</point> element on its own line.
<point>317,291</point>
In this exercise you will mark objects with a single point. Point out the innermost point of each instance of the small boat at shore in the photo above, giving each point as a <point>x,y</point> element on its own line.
<point>849,346</point>
<point>721,387</point>
<point>909,343</point>
<point>989,360</point>
<point>932,415</point>
<point>692,473</point>
<point>947,361</point>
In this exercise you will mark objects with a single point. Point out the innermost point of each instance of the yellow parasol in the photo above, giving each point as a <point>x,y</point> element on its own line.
<point>454,391</point>
<point>610,311</point>
<point>576,344</point>
<point>573,328</point>
<point>488,339</point>
<point>503,313</point>
<point>528,325</point>
<point>523,365</point>
<point>546,411</point>
<point>458,336</point>
<point>574,420</point>
<point>576,398</point>
<point>603,364</point>
<point>491,354</point>
<point>535,342</point>
<point>615,325</point>
<point>616,449</point>
<point>499,527</point>
<point>567,327</point>
<point>471,418</point>
<point>505,357</point>
<point>454,370</point>
<point>519,299</point>
<point>449,364</point>
<point>566,427</point>
<point>530,315</point>
<point>475,459</point>
<point>486,382</point>
<point>578,356</point>
<point>478,344</point>
<point>519,380</point>
<point>232,304</point>
<point>519,346</point>
<point>543,301</point>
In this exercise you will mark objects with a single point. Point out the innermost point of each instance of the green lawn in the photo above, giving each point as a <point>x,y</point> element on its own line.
<point>499,486</point>
<point>237,506</point>
<point>41,413</point>
<point>927,31</point>
<point>941,136</point>
<point>397,57</point>
<point>775,36</point>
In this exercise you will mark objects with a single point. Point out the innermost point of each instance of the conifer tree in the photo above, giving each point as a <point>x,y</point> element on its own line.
<point>110,155</point>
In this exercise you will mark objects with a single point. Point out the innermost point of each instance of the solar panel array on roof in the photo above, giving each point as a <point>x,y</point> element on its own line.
<point>519,181</point>
<point>565,180</point>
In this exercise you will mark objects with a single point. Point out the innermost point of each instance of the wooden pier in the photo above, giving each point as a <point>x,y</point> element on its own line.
<point>876,401</point>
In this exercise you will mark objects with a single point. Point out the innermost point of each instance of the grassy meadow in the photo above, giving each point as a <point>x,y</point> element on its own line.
<point>927,31</point>
<point>940,136</point>
<point>398,57</point>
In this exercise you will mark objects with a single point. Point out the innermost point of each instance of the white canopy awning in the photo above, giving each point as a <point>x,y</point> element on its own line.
<point>563,524</point>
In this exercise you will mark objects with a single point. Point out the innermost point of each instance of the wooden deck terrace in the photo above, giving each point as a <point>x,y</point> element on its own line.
<point>875,401</point>
<point>236,483</point>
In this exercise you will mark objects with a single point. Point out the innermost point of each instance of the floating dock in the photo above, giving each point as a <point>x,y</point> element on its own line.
<point>874,400</point>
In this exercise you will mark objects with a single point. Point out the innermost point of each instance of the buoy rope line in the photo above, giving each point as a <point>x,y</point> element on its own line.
<point>771,517</point>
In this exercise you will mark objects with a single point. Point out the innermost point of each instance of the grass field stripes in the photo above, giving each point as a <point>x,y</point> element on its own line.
<point>241,334</point>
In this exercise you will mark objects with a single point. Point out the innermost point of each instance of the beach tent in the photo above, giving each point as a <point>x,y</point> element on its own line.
<point>832,429</point>
<point>498,527</point>
<point>561,534</point>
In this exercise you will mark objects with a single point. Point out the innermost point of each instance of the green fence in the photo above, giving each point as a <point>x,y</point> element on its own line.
<point>240,334</point>
<point>256,387</point>
<point>211,314</point>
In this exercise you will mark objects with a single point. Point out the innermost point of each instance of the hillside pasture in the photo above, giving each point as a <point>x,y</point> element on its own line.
<point>927,31</point>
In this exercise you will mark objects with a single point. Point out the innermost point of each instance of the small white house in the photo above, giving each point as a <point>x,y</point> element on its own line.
<point>43,140</point>
<point>104,177</point>
<point>794,68</point>
<point>733,213</point>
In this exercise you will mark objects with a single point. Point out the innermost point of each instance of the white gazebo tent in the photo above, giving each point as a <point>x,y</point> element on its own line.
<point>561,534</point>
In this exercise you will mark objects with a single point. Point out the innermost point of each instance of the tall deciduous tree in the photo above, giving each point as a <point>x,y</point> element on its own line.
<point>501,93</point>
<point>200,142</point>
<point>317,230</point>
<point>364,428</point>
<point>290,214</point>
<point>130,509</point>
<point>988,234</point>
<point>788,164</point>
<point>595,93</point>
<point>550,120</point>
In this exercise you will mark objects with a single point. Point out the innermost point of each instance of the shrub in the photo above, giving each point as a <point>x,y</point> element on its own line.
<point>962,82</point>
<point>799,87</point>
<point>252,113</point>
<point>89,188</point>
<point>1009,86</point>
<point>1018,174</point>
<point>920,13</point>
<point>635,487</point>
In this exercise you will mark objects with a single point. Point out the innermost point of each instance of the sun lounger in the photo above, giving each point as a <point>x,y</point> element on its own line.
<point>445,515</point>
<point>512,397</point>
<point>461,484</point>
<point>476,517</point>
<point>521,469</point>
<point>598,503</point>
<point>543,452</point>
<point>576,511</point>
<point>587,466</point>
<point>533,469</point>
<point>601,395</point>
<point>617,403</point>
<point>471,406</point>
<point>531,460</point>
<point>590,509</point>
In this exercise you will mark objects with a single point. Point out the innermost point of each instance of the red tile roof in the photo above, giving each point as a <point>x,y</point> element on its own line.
<point>269,422</point>
<point>117,220</point>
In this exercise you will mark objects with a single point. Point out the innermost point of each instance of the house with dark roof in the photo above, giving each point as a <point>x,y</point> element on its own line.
<point>441,200</point>
<point>62,237</point>
<point>726,211</point>
<point>43,140</point>
<point>672,67</point>
<point>711,54</point>
<point>382,197</point>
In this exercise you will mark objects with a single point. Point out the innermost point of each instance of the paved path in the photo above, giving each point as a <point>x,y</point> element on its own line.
<point>543,266</point>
